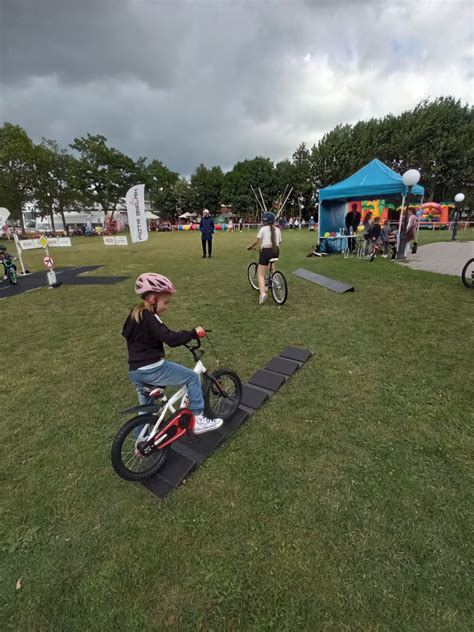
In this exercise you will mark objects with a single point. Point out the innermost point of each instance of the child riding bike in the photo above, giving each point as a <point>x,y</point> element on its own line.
<point>6,256</point>
<point>269,239</point>
<point>145,333</point>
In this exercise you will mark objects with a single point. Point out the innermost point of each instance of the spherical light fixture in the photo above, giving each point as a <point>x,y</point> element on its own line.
<point>411,177</point>
<point>459,197</point>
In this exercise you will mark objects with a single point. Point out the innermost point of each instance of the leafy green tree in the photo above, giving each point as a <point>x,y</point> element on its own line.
<point>55,180</point>
<point>206,185</point>
<point>16,169</point>
<point>105,174</point>
<point>158,181</point>
<point>236,188</point>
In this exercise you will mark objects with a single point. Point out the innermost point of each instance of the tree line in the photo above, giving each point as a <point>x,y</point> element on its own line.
<point>436,137</point>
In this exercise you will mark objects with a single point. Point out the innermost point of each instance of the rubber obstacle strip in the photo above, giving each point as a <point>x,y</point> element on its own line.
<point>186,454</point>
<point>320,279</point>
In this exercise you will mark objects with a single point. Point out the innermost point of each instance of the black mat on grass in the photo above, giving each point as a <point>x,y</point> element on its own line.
<point>186,454</point>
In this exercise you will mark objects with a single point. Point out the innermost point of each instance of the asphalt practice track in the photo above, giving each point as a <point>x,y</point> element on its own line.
<point>66,276</point>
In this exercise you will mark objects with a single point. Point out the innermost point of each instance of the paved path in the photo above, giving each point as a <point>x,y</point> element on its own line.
<point>445,257</point>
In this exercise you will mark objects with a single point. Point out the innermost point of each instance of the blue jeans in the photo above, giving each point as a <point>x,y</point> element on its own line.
<point>169,374</point>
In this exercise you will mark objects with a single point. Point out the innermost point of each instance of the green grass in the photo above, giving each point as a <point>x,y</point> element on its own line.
<point>343,504</point>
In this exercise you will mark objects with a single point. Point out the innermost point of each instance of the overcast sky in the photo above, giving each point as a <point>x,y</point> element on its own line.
<point>191,81</point>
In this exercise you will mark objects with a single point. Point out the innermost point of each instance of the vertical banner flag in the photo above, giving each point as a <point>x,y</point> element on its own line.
<point>135,200</point>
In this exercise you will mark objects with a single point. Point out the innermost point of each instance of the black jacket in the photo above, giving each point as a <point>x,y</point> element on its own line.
<point>145,339</point>
<point>206,226</point>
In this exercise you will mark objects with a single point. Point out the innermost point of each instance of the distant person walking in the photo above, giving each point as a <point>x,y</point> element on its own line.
<point>241,224</point>
<point>206,226</point>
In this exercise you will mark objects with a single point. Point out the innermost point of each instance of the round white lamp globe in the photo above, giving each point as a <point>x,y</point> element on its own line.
<point>411,177</point>
<point>459,197</point>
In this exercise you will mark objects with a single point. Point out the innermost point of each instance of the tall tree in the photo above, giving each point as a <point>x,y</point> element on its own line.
<point>16,169</point>
<point>105,174</point>
<point>236,188</point>
<point>55,180</point>
<point>206,185</point>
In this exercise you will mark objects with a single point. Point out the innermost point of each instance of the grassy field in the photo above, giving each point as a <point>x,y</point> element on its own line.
<point>342,505</point>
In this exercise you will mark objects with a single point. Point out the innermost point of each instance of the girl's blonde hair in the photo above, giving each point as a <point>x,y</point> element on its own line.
<point>137,311</point>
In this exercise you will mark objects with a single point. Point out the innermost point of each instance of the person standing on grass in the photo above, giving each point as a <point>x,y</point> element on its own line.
<point>352,222</point>
<point>269,239</point>
<point>411,229</point>
<point>241,224</point>
<point>385,235</point>
<point>206,226</point>
<point>367,225</point>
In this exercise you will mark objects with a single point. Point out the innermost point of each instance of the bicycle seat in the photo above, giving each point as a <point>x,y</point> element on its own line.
<point>273,260</point>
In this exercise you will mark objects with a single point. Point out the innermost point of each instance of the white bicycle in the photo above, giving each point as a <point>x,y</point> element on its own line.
<point>140,446</point>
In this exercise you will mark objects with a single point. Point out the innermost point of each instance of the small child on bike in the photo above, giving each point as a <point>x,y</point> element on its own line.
<point>269,240</point>
<point>4,257</point>
<point>145,333</point>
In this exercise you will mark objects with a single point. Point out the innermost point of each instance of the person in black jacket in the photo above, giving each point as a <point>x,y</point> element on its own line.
<point>206,226</point>
<point>352,222</point>
<point>145,334</point>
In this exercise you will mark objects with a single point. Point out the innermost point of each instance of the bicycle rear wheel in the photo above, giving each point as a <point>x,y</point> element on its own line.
<point>222,399</point>
<point>127,461</point>
<point>252,275</point>
<point>279,287</point>
<point>467,274</point>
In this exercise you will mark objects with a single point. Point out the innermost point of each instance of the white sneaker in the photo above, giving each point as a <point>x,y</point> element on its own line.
<point>262,299</point>
<point>204,424</point>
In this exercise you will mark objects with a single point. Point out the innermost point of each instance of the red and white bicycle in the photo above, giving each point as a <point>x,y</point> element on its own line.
<point>140,446</point>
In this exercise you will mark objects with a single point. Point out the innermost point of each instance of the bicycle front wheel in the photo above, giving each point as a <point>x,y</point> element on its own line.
<point>252,273</point>
<point>467,274</point>
<point>279,288</point>
<point>12,277</point>
<point>222,397</point>
<point>127,461</point>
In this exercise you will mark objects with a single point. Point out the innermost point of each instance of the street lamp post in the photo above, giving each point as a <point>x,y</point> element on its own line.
<point>410,178</point>
<point>458,198</point>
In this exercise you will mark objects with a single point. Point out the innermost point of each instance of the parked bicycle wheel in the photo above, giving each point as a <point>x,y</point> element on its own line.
<point>127,461</point>
<point>223,397</point>
<point>279,288</point>
<point>467,274</point>
<point>252,275</point>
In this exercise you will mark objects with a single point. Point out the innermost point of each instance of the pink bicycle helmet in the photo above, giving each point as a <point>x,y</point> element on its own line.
<point>153,282</point>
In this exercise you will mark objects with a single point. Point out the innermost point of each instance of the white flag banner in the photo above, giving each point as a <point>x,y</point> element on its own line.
<point>135,200</point>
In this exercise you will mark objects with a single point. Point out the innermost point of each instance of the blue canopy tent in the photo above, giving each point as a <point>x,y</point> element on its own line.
<point>375,180</point>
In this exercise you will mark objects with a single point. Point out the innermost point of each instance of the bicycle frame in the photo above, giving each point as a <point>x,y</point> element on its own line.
<point>169,405</point>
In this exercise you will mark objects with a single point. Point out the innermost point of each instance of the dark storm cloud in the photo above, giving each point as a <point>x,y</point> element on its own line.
<point>216,82</point>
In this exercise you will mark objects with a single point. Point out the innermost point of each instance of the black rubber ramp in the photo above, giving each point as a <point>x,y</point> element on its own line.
<point>324,281</point>
<point>66,276</point>
<point>186,454</point>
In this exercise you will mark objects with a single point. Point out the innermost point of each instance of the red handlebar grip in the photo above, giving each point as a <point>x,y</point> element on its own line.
<point>201,334</point>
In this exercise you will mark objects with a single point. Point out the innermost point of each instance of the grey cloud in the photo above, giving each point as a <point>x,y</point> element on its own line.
<point>220,81</point>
